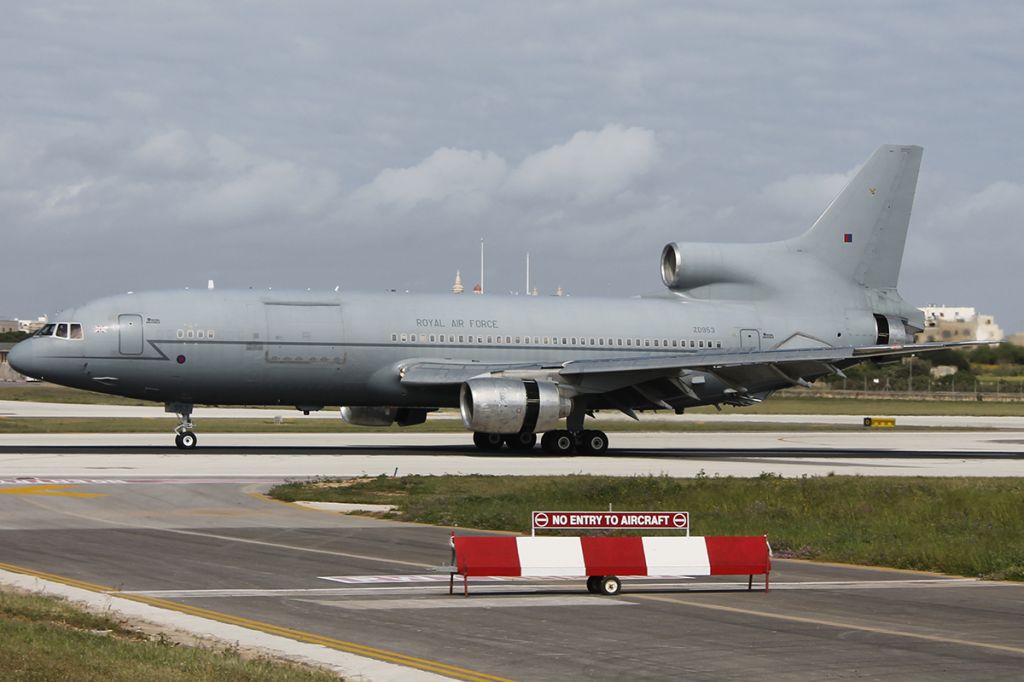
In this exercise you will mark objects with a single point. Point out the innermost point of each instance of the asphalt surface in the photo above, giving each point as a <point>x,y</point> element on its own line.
<point>215,543</point>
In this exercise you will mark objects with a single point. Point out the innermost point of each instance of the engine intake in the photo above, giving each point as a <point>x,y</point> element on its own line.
<point>691,265</point>
<point>512,405</point>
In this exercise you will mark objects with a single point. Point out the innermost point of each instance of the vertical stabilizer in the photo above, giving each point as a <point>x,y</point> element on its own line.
<point>862,233</point>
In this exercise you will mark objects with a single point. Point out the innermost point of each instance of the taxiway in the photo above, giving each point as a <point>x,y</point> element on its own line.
<point>215,547</point>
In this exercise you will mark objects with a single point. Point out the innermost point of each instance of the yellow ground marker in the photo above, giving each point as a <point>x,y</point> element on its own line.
<point>298,635</point>
<point>53,490</point>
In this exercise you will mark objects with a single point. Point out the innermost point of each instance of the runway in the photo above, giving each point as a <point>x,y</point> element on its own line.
<point>213,546</point>
<point>940,453</point>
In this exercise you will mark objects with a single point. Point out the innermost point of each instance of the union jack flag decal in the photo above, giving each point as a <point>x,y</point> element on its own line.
<point>848,238</point>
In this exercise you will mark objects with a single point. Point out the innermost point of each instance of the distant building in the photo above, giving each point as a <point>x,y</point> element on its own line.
<point>947,323</point>
<point>7,373</point>
<point>477,289</point>
<point>31,326</point>
<point>1016,339</point>
<point>457,288</point>
<point>9,326</point>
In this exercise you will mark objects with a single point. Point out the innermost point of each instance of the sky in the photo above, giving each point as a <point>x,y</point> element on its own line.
<point>372,146</point>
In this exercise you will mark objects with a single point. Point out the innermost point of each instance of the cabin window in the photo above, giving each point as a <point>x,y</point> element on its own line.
<point>647,343</point>
<point>394,337</point>
<point>201,334</point>
<point>462,339</point>
<point>700,343</point>
<point>719,344</point>
<point>655,343</point>
<point>76,330</point>
<point>190,333</point>
<point>629,342</point>
<point>62,330</point>
<point>547,341</point>
<point>592,343</point>
<point>600,342</point>
<point>574,340</point>
<point>431,338</point>
<point>692,344</point>
<point>675,343</point>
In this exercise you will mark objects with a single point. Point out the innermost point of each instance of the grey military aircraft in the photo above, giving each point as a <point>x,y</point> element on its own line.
<point>736,323</point>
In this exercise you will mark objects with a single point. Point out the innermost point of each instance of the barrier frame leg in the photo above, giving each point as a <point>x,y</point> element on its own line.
<point>750,582</point>
<point>767,575</point>
<point>465,585</point>
<point>451,583</point>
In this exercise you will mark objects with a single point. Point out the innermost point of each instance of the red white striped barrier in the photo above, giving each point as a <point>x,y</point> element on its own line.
<point>607,557</point>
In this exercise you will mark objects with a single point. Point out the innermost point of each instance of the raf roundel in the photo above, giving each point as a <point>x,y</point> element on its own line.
<point>181,359</point>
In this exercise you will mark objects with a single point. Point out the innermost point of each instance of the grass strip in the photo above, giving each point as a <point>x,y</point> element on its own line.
<point>961,526</point>
<point>46,638</point>
<point>797,401</point>
<point>300,425</point>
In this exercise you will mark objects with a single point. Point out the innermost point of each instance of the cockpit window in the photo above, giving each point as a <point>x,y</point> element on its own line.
<point>63,330</point>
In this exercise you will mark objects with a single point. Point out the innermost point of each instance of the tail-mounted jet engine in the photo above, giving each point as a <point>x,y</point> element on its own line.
<point>383,416</point>
<point>692,265</point>
<point>512,405</point>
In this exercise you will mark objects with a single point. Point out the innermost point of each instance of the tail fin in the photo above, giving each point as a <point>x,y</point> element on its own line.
<point>862,233</point>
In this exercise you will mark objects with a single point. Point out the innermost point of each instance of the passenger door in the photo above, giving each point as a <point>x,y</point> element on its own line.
<point>129,328</point>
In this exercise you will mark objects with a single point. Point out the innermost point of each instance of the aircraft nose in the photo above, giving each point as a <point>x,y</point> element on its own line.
<point>22,359</point>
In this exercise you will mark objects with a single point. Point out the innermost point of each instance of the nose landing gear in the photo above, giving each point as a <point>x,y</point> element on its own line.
<point>184,437</point>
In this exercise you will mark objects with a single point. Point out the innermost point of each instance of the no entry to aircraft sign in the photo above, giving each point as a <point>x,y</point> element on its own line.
<point>584,520</point>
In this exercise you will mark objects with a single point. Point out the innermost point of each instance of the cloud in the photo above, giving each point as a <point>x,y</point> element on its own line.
<point>464,180</point>
<point>269,190</point>
<point>174,152</point>
<point>590,167</point>
<point>806,193</point>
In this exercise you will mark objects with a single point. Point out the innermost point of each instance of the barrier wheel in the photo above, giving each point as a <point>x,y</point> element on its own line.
<point>594,584</point>
<point>609,584</point>
<point>177,442</point>
<point>867,421</point>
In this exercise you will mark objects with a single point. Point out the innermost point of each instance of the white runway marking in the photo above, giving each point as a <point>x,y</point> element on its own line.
<point>520,585</point>
<point>460,602</point>
<point>442,576</point>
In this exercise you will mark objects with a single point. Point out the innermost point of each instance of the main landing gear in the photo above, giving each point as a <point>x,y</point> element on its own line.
<point>184,437</point>
<point>559,442</point>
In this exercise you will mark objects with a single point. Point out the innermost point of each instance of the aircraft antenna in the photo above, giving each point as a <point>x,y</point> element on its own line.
<point>527,273</point>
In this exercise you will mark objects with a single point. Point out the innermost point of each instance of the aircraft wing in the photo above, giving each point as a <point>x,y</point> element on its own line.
<point>742,370</point>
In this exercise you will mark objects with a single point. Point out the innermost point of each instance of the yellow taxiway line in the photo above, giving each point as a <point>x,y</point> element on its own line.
<point>834,624</point>
<point>298,635</point>
<point>54,490</point>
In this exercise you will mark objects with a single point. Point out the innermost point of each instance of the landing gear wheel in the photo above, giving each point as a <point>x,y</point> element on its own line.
<point>594,584</point>
<point>609,584</point>
<point>177,441</point>
<point>593,442</point>
<point>558,443</point>
<point>488,442</point>
<point>187,439</point>
<point>521,441</point>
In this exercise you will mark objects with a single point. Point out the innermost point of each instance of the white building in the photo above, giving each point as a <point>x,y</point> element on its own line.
<point>949,323</point>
